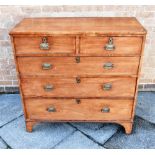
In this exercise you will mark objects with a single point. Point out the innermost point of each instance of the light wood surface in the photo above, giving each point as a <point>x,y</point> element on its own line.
<point>88,66</point>
<point>77,77</point>
<point>89,25</point>
<point>123,46</point>
<point>87,109</point>
<point>57,45</point>
<point>89,87</point>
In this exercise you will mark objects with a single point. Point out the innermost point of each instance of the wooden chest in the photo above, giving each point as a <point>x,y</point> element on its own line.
<point>78,69</point>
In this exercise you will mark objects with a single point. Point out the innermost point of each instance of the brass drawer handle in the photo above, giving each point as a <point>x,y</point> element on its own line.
<point>46,66</point>
<point>48,87</point>
<point>105,110</point>
<point>108,65</point>
<point>78,101</point>
<point>44,45</point>
<point>77,59</point>
<point>51,109</point>
<point>109,46</point>
<point>78,80</point>
<point>107,86</point>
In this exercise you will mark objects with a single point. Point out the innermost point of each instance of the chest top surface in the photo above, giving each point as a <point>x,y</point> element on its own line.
<point>79,25</point>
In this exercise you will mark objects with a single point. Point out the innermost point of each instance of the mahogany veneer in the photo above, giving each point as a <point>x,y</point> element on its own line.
<point>78,69</point>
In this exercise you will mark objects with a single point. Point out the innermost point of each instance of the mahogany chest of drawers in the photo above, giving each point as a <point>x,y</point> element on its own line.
<point>78,69</point>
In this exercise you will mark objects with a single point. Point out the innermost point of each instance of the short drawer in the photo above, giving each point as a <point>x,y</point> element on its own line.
<point>44,45</point>
<point>73,66</point>
<point>113,46</point>
<point>78,87</point>
<point>81,110</point>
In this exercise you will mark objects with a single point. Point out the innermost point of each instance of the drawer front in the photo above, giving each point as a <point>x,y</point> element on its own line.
<point>68,66</point>
<point>84,109</point>
<point>78,87</point>
<point>42,45</point>
<point>115,46</point>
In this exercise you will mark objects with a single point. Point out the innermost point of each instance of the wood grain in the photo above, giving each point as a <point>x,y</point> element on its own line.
<point>89,87</point>
<point>123,46</point>
<point>88,109</point>
<point>79,25</point>
<point>29,125</point>
<point>137,82</point>
<point>18,78</point>
<point>85,38</point>
<point>127,126</point>
<point>57,45</point>
<point>88,66</point>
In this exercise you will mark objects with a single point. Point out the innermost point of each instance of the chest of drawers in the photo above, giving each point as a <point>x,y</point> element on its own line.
<point>78,69</point>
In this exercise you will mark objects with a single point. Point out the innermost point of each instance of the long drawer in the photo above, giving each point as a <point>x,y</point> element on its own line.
<point>78,87</point>
<point>73,66</point>
<point>83,109</point>
<point>110,46</point>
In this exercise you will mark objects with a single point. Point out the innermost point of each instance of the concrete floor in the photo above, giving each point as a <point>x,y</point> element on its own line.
<point>76,135</point>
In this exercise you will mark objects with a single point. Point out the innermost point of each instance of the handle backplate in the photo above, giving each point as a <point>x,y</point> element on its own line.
<point>105,110</point>
<point>110,45</point>
<point>107,86</point>
<point>51,109</point>
<point>48,87</point>
<point>44,45</point>
<point>108,65</point>
<point>46,66</point>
